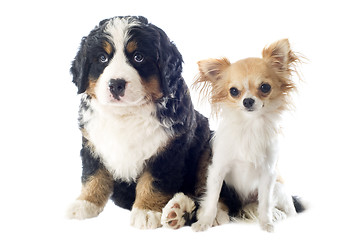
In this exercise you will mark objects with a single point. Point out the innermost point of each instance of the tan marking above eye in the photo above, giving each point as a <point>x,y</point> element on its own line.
<point>107,47</point>
<point>131,46</point>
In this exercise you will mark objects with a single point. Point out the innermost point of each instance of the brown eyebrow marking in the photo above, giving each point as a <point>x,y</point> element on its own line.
<point>107,47</point>
<point>131,46</point>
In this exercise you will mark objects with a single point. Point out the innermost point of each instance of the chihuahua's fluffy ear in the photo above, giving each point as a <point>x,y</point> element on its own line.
<point>211,69</point>
<point>280,56</point>
<point>211,72</point>
<point>283,61</point>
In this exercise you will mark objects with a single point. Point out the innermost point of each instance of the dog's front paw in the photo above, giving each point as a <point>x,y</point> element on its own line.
<point>82,209</point>
<point>208,219</point>
<point>145,219</point>
<point>222,217</point>
<point>267,226</point>
<point>265,219</point>
<point>177,211</point>
<point>201,225</point>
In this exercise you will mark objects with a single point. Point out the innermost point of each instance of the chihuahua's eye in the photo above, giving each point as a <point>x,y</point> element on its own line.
<point>265,88</point>
<point>103,58</point>
<point>138,57</point>
<point>234,92</point>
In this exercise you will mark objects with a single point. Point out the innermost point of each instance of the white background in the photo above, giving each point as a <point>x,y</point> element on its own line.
<point>40,167</point>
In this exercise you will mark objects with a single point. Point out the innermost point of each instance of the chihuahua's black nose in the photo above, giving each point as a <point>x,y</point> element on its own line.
<point>248,102</point>
<point>117,87</point>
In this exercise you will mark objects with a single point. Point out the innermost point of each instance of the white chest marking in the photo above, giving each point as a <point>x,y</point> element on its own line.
<point>125,143</point>
<point>245,150</point>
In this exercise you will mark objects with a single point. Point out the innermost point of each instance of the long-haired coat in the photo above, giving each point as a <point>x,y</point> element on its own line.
<point>249,95</point>
<point>142,140</point>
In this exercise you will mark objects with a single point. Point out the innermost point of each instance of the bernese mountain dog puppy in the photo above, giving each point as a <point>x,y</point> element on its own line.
<point>142,140</point>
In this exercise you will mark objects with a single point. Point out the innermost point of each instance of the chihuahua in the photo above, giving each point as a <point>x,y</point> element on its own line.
<point>249,95</point>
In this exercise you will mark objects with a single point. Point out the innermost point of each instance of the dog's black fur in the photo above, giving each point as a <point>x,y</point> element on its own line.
<point>175,167</point>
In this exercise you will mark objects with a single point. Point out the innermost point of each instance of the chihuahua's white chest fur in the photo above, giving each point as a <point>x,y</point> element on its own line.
<point>251,94</point>
<point>244,156</point>
<point>246,148</point>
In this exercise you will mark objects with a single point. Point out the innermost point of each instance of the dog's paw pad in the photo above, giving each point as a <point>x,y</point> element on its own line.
<point>177,211</point>
<point>174,224</point>
<point>176,205</point>
<point>172,215</point>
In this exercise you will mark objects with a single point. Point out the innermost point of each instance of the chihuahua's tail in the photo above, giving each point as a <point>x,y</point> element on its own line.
<point>250,212</point>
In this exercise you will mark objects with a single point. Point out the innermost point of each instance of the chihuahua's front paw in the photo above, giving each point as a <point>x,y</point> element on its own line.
<point>267,226</point>
<point>201,226</point>
<point>205,220</point>
<point>145,219</point>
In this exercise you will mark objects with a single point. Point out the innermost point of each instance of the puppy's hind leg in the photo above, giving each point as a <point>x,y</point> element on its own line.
<point>178,212</point>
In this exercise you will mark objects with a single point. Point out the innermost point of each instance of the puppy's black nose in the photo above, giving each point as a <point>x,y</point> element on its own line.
<point>248,102</point>
<point>117,87</point>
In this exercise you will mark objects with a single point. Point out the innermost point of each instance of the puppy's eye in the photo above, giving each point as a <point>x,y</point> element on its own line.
<point>138,57</point>
<point>265,88</point>
<point>234,92</point>
<point>103,58</point>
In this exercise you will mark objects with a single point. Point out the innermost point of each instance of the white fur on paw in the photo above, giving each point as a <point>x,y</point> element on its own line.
<point>208,219</point>
<point>222,217</point>
<point>289,210</point>
<point>145,219</point>
<point>82,209</point>
<point>266,226</point>
<point>278,215</point>
<point>174,211</point>
<point>265,220</point>
<point>204,221</point>
<point>201,225</point>
<point>250,213</point>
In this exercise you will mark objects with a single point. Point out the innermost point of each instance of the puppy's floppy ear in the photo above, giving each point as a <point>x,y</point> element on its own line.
<point>280,56</point>
<point>80,68</point>
<point>175,109</point>
<point>169,62</point>
<point>81,65</point>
